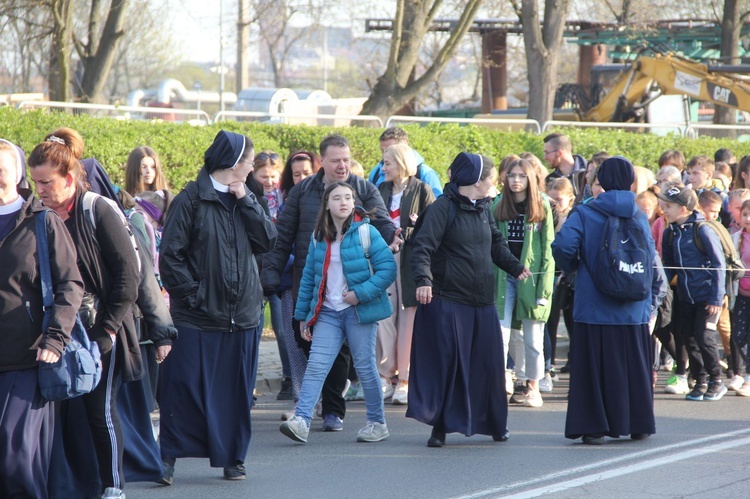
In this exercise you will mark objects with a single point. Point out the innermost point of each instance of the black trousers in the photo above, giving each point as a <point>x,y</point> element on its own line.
<point>699,341</point>
<point>740,334</point>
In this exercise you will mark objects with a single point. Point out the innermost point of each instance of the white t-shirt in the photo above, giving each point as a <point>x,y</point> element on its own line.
<point>335,281</point>
<point>394,210</point>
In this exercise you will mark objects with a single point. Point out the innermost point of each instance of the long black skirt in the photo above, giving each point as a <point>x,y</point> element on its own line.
<point>206,392</point>
<point>456,378</point>
<point>610,381</point>
<point>26,428</point>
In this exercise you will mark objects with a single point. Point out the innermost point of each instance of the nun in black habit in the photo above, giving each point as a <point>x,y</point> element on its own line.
<point>213,231</point>
<point>457,379</point>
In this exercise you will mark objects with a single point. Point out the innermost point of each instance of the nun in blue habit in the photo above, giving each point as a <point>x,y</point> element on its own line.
<point>611,390</point>
<point>213,231</point>
<point>456,377</point>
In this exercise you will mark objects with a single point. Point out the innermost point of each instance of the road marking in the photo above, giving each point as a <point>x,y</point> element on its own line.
<point>613,461</point>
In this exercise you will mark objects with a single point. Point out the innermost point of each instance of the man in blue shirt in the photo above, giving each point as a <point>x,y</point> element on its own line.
<point>395,135</point>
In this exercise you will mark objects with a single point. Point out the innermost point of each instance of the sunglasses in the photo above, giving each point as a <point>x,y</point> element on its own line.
<point>264,156</point>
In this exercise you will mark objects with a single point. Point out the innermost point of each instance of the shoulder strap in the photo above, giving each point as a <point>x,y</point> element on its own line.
<point>89,199</point>
<point>42,250</point>
<point>364,239</point>
<point>451,214</point>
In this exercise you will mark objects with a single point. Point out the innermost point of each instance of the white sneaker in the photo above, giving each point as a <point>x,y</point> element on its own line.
<point>677,385</point>
<point>295,428</point>
<point>533,399</point>
<point>545,384</point>
<point>387,386</point>
<point>735,383</point>
<point>744,390</point>
<point>113,493</point>
<point>401,393</point>
<point>373,432</point>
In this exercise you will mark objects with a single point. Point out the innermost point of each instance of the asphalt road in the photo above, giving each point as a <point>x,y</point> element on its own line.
<point>701,449</point>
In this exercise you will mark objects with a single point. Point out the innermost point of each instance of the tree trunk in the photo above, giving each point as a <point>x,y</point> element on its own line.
<point>413,18</point>
<point>59,59</point>
<point>97,65</point>
<point>730,40</point>
<point>543,44</point>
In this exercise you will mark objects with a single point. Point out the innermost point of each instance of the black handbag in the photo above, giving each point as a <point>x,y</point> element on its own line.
<point>79,368</point>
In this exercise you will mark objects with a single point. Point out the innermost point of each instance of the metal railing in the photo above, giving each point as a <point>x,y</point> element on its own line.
<point>121,112</point>
<point>290,118</point>
<point>469,121</point>
<point>680,128</point>
<point>730,131</point>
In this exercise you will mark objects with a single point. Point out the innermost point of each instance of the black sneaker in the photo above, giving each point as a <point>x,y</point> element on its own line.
<point>168,473</point>
<point>697,393</point>
<point>236,472</point>
<point>286,390</point>
<point>716,390</point>
<point>519,394</point>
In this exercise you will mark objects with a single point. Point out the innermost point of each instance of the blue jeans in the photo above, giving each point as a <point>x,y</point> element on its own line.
<point>274,303</point>
<point>526,346</point>
<point>329,333</point>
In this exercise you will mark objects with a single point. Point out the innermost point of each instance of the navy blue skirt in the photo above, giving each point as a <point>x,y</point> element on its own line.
<point>206,390</point>
<point>456,377</point>
<point>610,381</point>
<point>26,429</point>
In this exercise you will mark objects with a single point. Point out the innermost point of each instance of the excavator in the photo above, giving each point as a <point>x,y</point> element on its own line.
<point>649,77</point>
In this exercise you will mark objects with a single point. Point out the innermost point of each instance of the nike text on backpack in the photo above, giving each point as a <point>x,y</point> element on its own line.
<point>623,266</point>
<point>79,368</point>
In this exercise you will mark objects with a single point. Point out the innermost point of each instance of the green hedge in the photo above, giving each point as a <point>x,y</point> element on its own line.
<point>181,146</point>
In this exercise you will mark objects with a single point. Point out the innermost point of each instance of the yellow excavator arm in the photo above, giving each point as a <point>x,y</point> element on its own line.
<point>673,75</point>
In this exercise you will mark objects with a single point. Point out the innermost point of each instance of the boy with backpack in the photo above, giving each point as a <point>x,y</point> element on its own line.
<point>689,252</point>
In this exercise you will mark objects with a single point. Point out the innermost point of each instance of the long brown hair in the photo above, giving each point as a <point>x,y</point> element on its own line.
<point>324,226</point>
<point>63,149</point>
<point>506,210</point>
<point>133,178</point>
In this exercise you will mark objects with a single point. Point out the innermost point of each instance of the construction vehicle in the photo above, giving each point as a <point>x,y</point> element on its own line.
<point>648,78</point>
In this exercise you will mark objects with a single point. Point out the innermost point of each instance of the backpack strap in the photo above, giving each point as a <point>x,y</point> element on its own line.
<point>364,239</point>
<point>42,250</point>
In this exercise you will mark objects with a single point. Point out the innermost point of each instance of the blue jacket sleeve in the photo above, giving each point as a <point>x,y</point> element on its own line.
<point>715,254</point>
<point>659,284</point>
<point>668,255</point>
<point>307,284</point>
<point>566,248</point>
<point>383,267</point>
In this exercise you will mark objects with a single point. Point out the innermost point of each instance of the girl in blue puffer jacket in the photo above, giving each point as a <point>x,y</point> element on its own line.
<point>343,293</point>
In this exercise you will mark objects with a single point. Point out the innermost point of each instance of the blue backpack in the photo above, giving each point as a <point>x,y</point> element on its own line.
<point>79,368</point>
<point>623,266</point>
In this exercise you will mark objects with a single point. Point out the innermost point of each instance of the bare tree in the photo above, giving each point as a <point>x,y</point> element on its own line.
<point>731,25</point>
<point>543,41</point>
<point>273,18</point>
<point>412,21</point>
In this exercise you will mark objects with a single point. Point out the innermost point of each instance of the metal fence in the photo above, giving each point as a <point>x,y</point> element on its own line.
<point>510,124</point>
<point>194,116</point>
<point>696,130</point>
<point>298,119</point>
<point>662,128</point>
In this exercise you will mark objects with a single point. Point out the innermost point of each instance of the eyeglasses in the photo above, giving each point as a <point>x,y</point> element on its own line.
<point>547,153</point>
<point>518,176</point>
<point>264,156</point>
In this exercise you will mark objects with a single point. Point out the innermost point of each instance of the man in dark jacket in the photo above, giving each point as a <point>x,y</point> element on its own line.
<point>558,152</point>
<point>213,230</point>
<point>296,225</point>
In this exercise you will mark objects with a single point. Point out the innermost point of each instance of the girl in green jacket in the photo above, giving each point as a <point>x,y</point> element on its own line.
<point>524,217</point>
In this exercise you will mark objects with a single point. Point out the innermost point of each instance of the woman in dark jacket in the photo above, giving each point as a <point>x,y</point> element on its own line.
<point>214,229</point>
<point>26,419</point>
<point>457,380</point>
<point>110,269</point>
<point>406,198</point>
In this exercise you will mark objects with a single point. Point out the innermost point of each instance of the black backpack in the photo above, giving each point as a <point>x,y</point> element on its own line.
<point>623,266</point>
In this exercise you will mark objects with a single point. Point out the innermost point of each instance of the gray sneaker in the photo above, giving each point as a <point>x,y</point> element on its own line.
<point>295,428</point>
<point>113,493</point>
<point>373,432</point>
